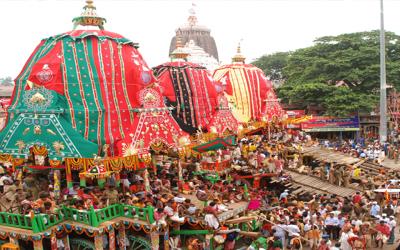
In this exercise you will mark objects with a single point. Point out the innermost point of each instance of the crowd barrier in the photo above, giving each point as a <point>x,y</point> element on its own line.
<point>92,217</point>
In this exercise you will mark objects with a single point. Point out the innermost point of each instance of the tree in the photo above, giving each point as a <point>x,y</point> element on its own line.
<point>343,101</point>
<point>350,58</point>
<point>312,75</point>
<point>306,94</point>
<point>8,81</point>
<point>273,65</point>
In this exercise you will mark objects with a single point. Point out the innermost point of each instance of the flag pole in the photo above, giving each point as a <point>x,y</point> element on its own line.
<point>383,103</point>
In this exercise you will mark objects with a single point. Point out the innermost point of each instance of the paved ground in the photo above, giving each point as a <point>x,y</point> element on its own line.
<point>391,164</point>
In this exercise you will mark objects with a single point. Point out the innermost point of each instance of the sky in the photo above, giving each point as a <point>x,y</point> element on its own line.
<point>264,26</point>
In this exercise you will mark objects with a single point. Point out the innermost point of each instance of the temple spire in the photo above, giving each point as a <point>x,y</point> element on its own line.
<point>89,17</point>
<point>238,58</point>
<point>179,53</point>
<point>192,19</point>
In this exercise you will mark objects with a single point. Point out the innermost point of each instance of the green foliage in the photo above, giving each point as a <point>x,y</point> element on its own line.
<point>343,101</point>
<point>304,95</point>
<point>8,81</point>
<point>273,65</point>
<point>351,60</point>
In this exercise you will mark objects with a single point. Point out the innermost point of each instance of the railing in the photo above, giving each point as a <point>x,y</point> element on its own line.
<point>46,221</point>
<point>80,216</point>
<point>42,222</point>
<point>133,212</point>
<point>108,213</point>
<point>16,220</point>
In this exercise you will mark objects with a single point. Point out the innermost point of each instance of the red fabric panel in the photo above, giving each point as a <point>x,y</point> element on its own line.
<point>47,71</point>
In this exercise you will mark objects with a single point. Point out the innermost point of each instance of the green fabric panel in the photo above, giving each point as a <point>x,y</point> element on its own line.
<point>52,128</point>
<point>88,90</point>
<point>230,139</point>
<point>98,90</point>
<point>211,145</point>
<point>73,85</point>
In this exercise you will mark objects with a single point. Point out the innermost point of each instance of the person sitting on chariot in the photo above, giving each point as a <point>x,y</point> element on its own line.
<point>172,213</point>
<point>201,193</point>
<point>159,217</point>
<point>211,215</point>
<point>43,198</point>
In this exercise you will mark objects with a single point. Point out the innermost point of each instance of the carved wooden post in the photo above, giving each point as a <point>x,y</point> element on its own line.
<point>98,241</point>
<point>38,244</point>
<point>155,240</point>
<point>121,236</point>
<point>111,239</point>
<point>53,241</point>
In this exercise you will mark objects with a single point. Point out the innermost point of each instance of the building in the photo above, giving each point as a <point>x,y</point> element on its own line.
<point>195,36</point>
<point>198,56</point>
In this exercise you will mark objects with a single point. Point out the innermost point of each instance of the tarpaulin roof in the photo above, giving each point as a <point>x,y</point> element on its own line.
<point>216,144</point>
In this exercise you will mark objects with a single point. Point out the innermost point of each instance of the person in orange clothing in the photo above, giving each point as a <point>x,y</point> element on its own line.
<point>43,198</point>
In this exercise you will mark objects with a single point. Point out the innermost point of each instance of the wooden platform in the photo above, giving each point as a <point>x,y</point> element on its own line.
<point>304,183</point>
<point>327,155</point>
<point>18,231</point>
<point>234,208</point>
<point>320,153</point>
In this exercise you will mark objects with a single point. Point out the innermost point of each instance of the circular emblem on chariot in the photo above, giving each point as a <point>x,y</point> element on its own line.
<point>38,99</point>
<point>218,88</point>
<point>146,77</point>
<point>45,75</point>
<point>149,98</point>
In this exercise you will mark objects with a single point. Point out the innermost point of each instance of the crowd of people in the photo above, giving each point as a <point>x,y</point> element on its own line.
<point>372,150</point>
<point>180,189</point>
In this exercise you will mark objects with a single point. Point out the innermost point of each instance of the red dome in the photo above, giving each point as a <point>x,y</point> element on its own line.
<point>250,94</point>
<point>191,90</point>
<point>96,75</point>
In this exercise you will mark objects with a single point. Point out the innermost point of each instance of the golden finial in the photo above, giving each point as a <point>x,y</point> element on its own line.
<point>238,58</point>
<point>89,3</point>
<point>238,49</point>
<point>89,17</point>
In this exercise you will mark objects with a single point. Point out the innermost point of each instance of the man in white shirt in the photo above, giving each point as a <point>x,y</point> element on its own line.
<point>293,230</point>
<point>344,243</point>
<point>284,194</point>
<point>280,232</point>
<point>392,224</point>
<point>169,211</point>
<point>332,226</point>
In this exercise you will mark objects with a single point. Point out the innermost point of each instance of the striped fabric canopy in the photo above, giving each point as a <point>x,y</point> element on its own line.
<point>249,92</point>
<point>96,74</point>
<point>191,90</point>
